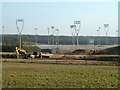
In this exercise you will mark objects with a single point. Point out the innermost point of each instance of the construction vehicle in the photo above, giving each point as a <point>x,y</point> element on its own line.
<point>21,53</point>
<point>97,52</point>
<point>36,55</point>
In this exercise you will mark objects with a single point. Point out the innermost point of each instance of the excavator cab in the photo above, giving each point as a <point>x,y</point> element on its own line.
<point>97,52</point>
<point>92,52</point>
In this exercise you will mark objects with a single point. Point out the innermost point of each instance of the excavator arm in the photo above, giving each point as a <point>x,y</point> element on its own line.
<point>20,52</point>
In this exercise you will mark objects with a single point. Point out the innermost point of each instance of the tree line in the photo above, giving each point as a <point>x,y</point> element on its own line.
<point>63,40</point>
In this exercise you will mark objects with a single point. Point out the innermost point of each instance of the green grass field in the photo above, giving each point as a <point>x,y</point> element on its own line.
<point>35,75</point>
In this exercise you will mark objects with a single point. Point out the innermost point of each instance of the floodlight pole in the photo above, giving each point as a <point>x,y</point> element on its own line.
<point>77,23</point>
<point>98,34</point>
<point>3,34</point>
<point>117,33</point>
<point>57,36</point>
<point>20,40</point>
<point>53,33</point>
<point>117,36</point>
<point>71,32</point>
<point>106,26</point>
<point>19,30</point>
<point>77,40</point>
<point>48,35</point>
<point>36,34</point>
<point>106,39</point>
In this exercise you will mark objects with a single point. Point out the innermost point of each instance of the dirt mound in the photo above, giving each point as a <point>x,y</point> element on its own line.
<point>79,52</point>
<point>113,50</point>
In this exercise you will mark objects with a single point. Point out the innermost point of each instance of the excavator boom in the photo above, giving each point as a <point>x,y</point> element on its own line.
<point>21,53</point>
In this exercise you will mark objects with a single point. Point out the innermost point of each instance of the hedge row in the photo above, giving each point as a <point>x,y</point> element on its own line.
<point>11,48</point>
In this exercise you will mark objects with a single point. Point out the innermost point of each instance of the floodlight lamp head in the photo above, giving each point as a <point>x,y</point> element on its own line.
<point>20,20</point>
<point>52,27</point>
<point>76,22</point>
<point>74,25</point>
<point>57,29</point>
<point>35,28</point>
<point>106,25</point>
<point>71,26</point>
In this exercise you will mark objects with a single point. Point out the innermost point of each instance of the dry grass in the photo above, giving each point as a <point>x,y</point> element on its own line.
<point>34,75</point>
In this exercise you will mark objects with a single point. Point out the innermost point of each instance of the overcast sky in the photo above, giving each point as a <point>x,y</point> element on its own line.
<point>61,15</point>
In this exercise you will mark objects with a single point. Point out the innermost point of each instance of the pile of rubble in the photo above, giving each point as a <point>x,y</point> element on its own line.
<point>113,50</point>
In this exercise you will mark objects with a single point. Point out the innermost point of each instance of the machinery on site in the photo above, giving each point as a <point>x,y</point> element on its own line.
<point>21,53</point>
<point>36,55</point>
<point>97,52</point>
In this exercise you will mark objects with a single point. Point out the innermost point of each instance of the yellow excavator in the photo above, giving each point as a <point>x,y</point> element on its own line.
<point>21,53</point>
<point>97,52</point>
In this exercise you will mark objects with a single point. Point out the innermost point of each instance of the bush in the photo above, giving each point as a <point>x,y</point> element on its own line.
<point>8,48</point>
<point>31,48</point>
<point>11,48</point>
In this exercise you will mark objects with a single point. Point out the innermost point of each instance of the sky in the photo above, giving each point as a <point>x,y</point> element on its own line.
<point>61,15</point>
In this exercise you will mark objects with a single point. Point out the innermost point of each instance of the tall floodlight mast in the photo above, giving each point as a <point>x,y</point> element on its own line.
<point>117,33</point>
<point>19,25</point>
<point>36,34</point>
<point>53,33</point>
<point>98,34</point>
<point>106,28</point>
<point>57,36</point>
<point>77,30</point>
<point>3,35</point>
<point>48,35</point>
<point>73,32</point>
<point>117,36</point>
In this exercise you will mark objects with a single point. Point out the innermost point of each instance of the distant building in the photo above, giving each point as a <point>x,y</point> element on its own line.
<point>48,51</point>
<point>91,41</point>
